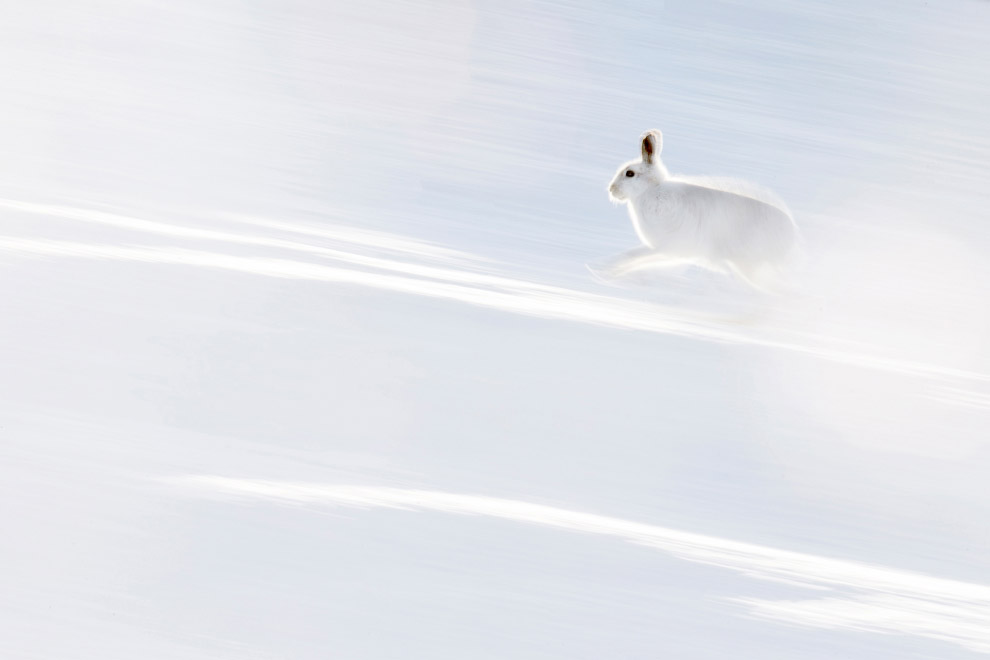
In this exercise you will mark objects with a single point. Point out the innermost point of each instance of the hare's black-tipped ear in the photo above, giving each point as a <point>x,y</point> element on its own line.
<point>652,144</point>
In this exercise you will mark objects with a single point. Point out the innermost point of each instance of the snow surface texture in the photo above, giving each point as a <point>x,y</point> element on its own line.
<point>301,359</point>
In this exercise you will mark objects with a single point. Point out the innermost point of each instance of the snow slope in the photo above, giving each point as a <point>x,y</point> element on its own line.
<point>300,358</point>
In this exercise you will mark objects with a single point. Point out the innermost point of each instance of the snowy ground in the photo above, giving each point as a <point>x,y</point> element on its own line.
<point>299,357</point>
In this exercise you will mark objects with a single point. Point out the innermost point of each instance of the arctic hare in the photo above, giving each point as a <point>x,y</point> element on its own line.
<point>719,224</point>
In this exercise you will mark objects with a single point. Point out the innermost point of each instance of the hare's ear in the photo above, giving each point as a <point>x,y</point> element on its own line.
<point>652,144</point>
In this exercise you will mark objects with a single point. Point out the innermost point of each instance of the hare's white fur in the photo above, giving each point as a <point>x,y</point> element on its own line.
<point>719,224</point>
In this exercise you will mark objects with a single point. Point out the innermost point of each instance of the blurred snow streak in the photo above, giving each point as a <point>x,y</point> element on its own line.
<point>871,597</point>
<point>332,255</point>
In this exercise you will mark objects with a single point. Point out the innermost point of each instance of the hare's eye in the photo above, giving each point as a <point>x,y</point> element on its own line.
<point>630,173</point>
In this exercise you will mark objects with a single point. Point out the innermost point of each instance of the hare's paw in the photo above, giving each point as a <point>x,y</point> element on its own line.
<point>603,272</point>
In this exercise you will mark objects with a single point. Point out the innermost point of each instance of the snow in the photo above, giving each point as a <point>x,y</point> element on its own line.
<point>300,356</point>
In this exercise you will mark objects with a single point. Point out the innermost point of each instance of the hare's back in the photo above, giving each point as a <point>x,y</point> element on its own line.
<point>738,226</point>
<point>734,208</point>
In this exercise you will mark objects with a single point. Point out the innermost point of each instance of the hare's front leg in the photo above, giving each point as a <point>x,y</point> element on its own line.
<point>762,277</point>
<point>640,258</point>
<point>612,267</point>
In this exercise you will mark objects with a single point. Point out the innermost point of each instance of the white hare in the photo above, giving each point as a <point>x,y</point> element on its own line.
<point>719,224</point>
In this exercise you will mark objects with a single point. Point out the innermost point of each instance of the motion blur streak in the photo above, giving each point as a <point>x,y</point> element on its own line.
<point>859,596</point>
<point>467,286</point>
